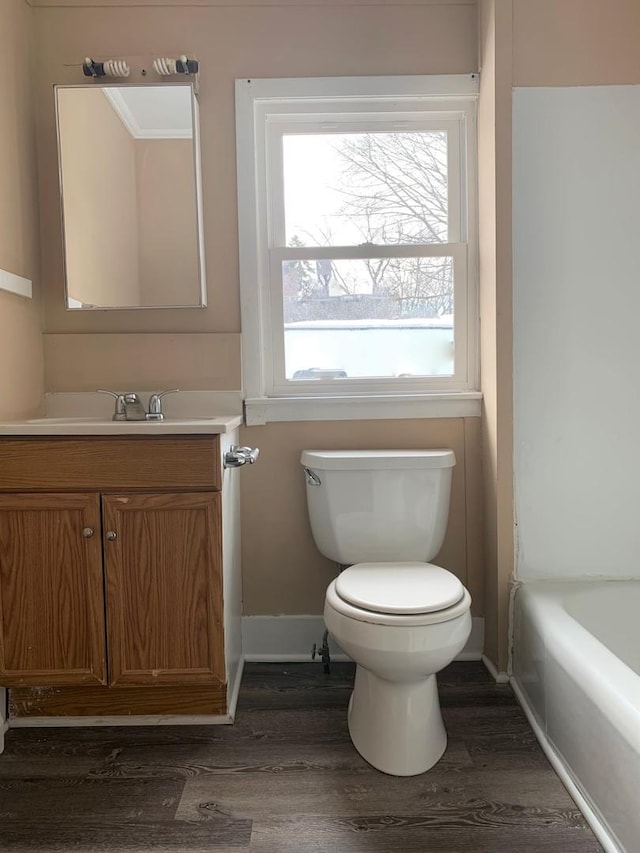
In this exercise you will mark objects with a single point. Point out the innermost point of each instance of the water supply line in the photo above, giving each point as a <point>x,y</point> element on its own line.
<point>236,456</point>
<point>323,650</point>
<point>323,653</point>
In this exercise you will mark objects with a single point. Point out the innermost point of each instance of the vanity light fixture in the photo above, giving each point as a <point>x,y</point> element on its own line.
<point>105,68</point>
<point>167,67</point>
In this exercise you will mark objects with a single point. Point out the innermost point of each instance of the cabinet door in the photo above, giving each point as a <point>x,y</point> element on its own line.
<point>164,588</point>
<point>51,590</point>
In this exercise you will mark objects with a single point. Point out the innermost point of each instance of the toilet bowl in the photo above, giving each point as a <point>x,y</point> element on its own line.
<point>401,620</point>
<point>394,713</point>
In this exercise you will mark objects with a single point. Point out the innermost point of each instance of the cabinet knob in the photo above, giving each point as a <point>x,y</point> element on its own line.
<point>111,535</point>
<point>87,532</point>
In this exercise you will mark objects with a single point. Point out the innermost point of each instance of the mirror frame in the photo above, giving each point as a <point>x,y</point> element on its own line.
<point>195,118</point>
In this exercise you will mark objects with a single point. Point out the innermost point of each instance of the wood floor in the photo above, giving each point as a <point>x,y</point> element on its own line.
<point>286,778</point>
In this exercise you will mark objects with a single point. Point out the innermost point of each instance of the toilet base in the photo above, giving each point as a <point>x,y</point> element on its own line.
<point>397,727</point>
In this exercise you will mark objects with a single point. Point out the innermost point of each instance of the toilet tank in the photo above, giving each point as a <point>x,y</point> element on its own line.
<point>378,505</point>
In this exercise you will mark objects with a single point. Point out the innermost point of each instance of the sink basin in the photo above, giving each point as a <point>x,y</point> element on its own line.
<point>53,421</point>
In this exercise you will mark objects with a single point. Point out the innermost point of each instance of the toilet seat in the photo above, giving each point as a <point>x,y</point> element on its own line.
<point>406,620</point>
<point>406,588</point>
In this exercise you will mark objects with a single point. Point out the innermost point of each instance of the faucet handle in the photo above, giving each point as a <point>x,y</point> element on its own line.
<point>155,404</point>
<point>120,413</point>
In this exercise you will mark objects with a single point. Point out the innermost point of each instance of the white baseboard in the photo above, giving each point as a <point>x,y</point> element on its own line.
<point>498,676</point>
<point>290,639</point>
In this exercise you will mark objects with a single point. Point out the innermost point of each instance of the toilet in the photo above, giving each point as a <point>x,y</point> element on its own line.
<point>383,514</point>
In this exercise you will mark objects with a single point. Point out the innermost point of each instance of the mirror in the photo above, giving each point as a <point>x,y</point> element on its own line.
<point>130,193</point>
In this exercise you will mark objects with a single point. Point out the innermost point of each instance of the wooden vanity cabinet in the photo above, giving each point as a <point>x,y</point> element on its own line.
<point>111,562</point>
<point>52,623</point>
<point>163,588</point>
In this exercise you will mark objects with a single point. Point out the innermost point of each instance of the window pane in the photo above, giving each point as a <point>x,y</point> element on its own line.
<point>352,188</point>
<point>382,317</point>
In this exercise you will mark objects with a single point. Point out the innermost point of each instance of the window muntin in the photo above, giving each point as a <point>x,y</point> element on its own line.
<point>276,123</point>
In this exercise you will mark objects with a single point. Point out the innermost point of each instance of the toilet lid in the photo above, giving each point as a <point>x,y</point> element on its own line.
<point>399,587</point>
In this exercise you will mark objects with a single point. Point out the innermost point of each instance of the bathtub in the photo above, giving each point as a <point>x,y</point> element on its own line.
<point>576,671</point>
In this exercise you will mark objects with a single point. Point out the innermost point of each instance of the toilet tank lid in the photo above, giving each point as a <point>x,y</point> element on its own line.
<point>354,460</point>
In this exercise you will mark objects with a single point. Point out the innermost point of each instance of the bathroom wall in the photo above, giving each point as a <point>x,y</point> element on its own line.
<point>21,361</point>
<point>576,184</point>
<point>284,573</point>
<point>200,348</point>
<point>494,193</point>
<point>546,43</point>
<point>243,39</point>
<point>575,42</point>
<point>576,330</point>
<point>524,43</point>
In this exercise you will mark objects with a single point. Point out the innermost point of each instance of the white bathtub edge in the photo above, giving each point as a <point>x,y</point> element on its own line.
<point>599,827</point>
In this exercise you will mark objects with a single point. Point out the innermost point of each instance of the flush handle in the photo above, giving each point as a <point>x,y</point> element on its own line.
<point>312,477</point>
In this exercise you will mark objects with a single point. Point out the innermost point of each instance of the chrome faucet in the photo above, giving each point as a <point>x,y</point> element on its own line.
<point>128,406</point>
<point>133,408</point>
<point>155,405</point>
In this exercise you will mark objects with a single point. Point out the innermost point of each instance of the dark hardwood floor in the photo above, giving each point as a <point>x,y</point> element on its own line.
<point>285,777</point>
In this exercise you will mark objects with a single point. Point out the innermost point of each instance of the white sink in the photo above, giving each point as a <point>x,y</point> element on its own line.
<point>101,426</point>
<point>53,421</point>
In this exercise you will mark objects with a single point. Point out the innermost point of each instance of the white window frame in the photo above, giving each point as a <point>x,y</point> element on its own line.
<point>265,109</point>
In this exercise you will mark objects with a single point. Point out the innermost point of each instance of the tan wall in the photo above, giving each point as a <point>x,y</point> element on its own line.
<point>21,367</point>
<point>167,222</point>
<point>98,164</point>
<point>494,126</point>
<point>232,41</point>
<point>282,571</point>
<point>576,42</point>
<point>145,361</point>
<point>524,43</point>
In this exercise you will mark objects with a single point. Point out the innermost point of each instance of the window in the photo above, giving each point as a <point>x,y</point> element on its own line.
<point>357,239</point>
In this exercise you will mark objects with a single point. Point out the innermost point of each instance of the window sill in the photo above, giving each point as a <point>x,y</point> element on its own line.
<point>454,404</point>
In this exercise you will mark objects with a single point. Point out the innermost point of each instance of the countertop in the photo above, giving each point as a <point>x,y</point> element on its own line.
<point>57,426</point>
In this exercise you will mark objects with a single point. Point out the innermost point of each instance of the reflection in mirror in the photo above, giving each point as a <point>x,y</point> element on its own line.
<point>130,187</point>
